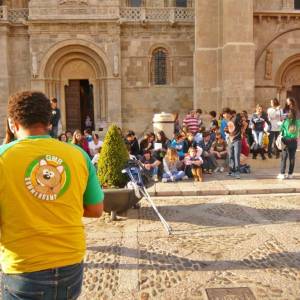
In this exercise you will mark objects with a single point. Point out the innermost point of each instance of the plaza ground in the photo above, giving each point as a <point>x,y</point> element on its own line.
<point>218,242</point>
<point>245,245</point>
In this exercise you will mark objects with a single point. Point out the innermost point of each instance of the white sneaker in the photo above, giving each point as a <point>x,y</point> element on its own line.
<point>164,180</point>
<point>185,178</point>
<point>155,178</point>
<point>221,169</point>
<point>290,176</point>
<point>216,170</point>
<point>281,176</point>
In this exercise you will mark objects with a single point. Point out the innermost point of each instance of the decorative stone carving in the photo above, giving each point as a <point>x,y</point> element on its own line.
<point>268,64</point>
<point>34,66</point>
<point>78,2</point>
<point>116,65</point>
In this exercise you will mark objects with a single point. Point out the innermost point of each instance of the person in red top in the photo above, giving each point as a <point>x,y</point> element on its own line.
<point>80,140</point>
<point>191,122</point>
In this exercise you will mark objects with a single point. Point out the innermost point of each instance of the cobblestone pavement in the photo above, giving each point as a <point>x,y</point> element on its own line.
<point>219,244</point>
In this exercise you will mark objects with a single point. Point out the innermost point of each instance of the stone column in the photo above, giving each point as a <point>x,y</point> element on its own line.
<point>224,55</point>
<point>238,55</point>
<point>4,77</point>
<point>114,103</point>
<point>206,87</point>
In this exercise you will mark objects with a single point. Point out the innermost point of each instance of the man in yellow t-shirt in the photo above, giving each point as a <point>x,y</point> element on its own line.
<point>45,188</point>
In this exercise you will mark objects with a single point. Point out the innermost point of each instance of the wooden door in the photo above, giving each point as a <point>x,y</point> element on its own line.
<point>73,115</point>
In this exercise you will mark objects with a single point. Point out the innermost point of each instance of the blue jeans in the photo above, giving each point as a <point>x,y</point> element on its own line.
<point>62,283</point>
<point>178,175</point>
<point>154,171</point>
<point>258,139</point>
<point>234,153</point>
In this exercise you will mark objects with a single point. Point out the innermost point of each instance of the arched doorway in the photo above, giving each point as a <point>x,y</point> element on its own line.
<point>76,76</point>
<point>288,78</point>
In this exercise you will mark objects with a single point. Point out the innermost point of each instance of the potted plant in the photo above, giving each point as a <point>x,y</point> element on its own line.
<point>113,158</point>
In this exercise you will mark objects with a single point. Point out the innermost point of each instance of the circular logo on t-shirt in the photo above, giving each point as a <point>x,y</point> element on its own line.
<point>47,177</point>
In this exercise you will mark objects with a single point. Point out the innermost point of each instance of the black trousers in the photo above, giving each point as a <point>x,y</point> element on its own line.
<point>289,152</point>
<point>272,138</point>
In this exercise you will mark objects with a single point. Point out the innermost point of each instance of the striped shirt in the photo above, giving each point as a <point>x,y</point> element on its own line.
<point>191,123</point>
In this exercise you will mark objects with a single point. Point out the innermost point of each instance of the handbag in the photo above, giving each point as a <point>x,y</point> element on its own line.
<point>279,142</point>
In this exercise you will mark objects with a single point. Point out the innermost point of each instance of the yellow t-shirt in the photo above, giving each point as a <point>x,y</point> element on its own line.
<point>43,186</point>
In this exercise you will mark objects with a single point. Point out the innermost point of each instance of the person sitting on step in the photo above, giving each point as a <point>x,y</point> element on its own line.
<point>193,162</point>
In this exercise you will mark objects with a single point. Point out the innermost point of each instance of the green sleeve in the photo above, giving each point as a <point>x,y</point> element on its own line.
<point>298,126</point>
<point>93,193</point>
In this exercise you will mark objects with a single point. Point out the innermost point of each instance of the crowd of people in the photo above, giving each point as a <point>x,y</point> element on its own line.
<point>225,144</point>
<point>53,185</point>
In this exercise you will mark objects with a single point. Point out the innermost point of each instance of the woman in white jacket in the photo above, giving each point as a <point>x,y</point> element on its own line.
<point>275,116</point>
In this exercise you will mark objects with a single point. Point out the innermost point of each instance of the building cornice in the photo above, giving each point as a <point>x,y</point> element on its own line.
<point>278,15</point>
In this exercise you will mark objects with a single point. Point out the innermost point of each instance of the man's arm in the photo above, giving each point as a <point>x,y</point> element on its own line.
<point>93,210</point>
<point>93,195</point>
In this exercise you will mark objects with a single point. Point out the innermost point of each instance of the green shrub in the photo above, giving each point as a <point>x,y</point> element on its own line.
<point>113,158</point>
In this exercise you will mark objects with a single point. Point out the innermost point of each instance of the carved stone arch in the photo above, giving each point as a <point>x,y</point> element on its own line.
<point>76,60</point>
<point>274,38</point>
<point>58,59</point>
<point>288,75</point>
<point>84,46</point>
<point>285,66</point>
<point>74,57</point>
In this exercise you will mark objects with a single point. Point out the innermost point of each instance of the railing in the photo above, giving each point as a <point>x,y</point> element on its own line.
<point>18,15</point>
<point>143,14</point>
<point>59,12</point>
<point>13,15</point>
<point>126,14</point>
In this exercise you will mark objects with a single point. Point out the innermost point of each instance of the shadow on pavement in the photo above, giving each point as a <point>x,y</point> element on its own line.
<point>155,261</point>
<point>220,214</point>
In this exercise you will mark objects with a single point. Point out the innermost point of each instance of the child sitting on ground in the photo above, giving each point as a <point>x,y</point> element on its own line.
<point>219,149</point>
<point>172,167</point>
<point>193,163</point>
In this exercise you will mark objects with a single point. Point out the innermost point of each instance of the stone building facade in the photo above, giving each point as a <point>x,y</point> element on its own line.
<point>122,61</point>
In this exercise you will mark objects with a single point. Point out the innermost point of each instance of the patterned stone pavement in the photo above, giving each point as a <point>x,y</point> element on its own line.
<point>219,244</point>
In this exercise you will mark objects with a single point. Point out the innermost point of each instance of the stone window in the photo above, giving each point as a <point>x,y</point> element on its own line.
<point>135,3</point>
<point>159,66</point>
<point>297,4</point>
<point>181,3</point>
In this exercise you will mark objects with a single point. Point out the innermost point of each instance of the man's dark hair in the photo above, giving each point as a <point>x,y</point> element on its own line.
<point>199,111</point>
<point>130,132</point>
<point>213,113</point>
<point>29,108</point>
<point>54,100</point>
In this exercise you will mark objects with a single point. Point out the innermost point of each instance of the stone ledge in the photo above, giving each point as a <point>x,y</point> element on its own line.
<point>187,193</point>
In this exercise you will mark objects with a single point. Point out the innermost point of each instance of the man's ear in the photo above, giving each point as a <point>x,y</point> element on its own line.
<point>11,125</point>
